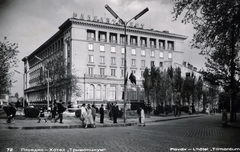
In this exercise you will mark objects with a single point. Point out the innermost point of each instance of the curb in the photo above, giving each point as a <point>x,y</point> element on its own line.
<point>98,125</point>
<point>233,126</point>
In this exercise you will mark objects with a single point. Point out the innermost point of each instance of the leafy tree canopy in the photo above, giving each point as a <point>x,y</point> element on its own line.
<point>8,59</point>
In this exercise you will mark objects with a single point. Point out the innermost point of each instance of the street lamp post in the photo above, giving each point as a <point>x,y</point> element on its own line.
<point>125,48</point>
<point>47,82</point>
<point>23,86</point>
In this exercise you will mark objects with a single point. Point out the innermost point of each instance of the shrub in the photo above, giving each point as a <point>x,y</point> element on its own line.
<point>31,112</point>
<point>156,112</point>
<point>9,110</point>
<point>120,113</point>
<point>185,109</point>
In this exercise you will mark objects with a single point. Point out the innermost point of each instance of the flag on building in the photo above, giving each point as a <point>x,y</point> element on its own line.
<point>132,78</point>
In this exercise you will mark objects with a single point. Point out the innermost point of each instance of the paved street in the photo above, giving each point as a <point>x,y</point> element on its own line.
<point>200,132</point>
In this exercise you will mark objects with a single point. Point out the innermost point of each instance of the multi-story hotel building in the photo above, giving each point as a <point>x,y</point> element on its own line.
<point>95,49</point>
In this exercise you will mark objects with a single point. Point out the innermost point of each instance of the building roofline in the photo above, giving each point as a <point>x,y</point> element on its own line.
<point>117,26</point>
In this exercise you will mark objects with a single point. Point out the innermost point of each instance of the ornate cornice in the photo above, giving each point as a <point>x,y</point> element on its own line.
<point>118,27</point>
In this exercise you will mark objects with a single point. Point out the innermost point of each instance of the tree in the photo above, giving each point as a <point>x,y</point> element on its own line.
<point>8,59</point>
<point>199,90</point>
<point>147,84</point>
<point>217,28</point>
<point>16,95</point>
<point>61,79</point>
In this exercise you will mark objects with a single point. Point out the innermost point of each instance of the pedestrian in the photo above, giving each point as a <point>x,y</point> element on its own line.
<point>110,111</point>
<point>60,110</point>
<point>41,115</point>
<point>11,112</point>
<point>94,114</point>
<point>101,111</point>
<point>224,118</point>
<point>54,110</point>
<point>115,112</point>
<point>83,116</point>
<point>179,110</point>
<point>139,115</point>
<point>89,117</point>
<point>175,111</point>
<point>142,117</point>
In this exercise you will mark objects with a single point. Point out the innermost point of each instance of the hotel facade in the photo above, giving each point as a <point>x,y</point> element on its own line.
<point>94,49</point>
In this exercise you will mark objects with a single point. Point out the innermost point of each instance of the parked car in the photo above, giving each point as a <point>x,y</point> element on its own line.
<point>73,108</point>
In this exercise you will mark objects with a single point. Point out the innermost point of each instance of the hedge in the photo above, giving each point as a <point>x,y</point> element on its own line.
<point>31,112</point>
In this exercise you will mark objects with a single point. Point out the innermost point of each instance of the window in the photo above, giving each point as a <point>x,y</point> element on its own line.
<point>122,39</point>
<point>102,59</point>
<point>90,58</point>
<point>90,47</point>
<point>113,50</point>
<point>102,36</point>
<point>161,44</point>
<point>98,92</point>
<point>90,35</point>
<point>133,40</point>
<point>102,48</point>
<point>133,95</point>
<point>152,63</point>
<point>142,74</point>
<point>160,64</point>
<point>102,71</point>
<point>143,53</point>
<point>123,50</point>
<point>152,53</point>
<point>133,62</point>
<point>133,71</point>
<point>170,45</point>
<point>122,59</point>
<point>161,54</point>
<point>104,92</point>
<point>90,70</point>
<point>122,73</point>
<point>113,38</point>
<point>143,63</point>
<point>113,60</point>
<point>143,42</point>
<point>152,43</point>
<point>133,52</point>
<point>169,55</point>
<point>113,72</point>
<point>112,92</point>
<point>91,92</point>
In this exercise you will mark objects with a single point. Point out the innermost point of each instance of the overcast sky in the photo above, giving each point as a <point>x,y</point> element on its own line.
<point>31,22</point>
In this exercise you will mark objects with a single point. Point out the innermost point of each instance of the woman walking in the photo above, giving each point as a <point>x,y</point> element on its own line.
<point>83,116</point>
<point>142,113</point>
<point>89,116</point>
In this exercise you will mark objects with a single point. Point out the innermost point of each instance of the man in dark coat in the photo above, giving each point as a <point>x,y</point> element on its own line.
<point>60,110</point>
<point>10,112</point>
<point>101,114</point>
<point>115,112</point>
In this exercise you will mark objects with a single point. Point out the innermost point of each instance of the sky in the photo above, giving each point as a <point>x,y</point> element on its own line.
<point>29,23</point>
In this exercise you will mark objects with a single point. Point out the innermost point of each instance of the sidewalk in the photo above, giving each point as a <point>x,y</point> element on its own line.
<point>70,121</point>
<point>234,124</point>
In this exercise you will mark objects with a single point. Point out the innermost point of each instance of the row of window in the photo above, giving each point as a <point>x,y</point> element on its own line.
<point>113,38</point>
<point>52,49</point>
<point>99,93</point>
<point>113,70</point>
<point>113,61</point>
<point>133,51</point>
